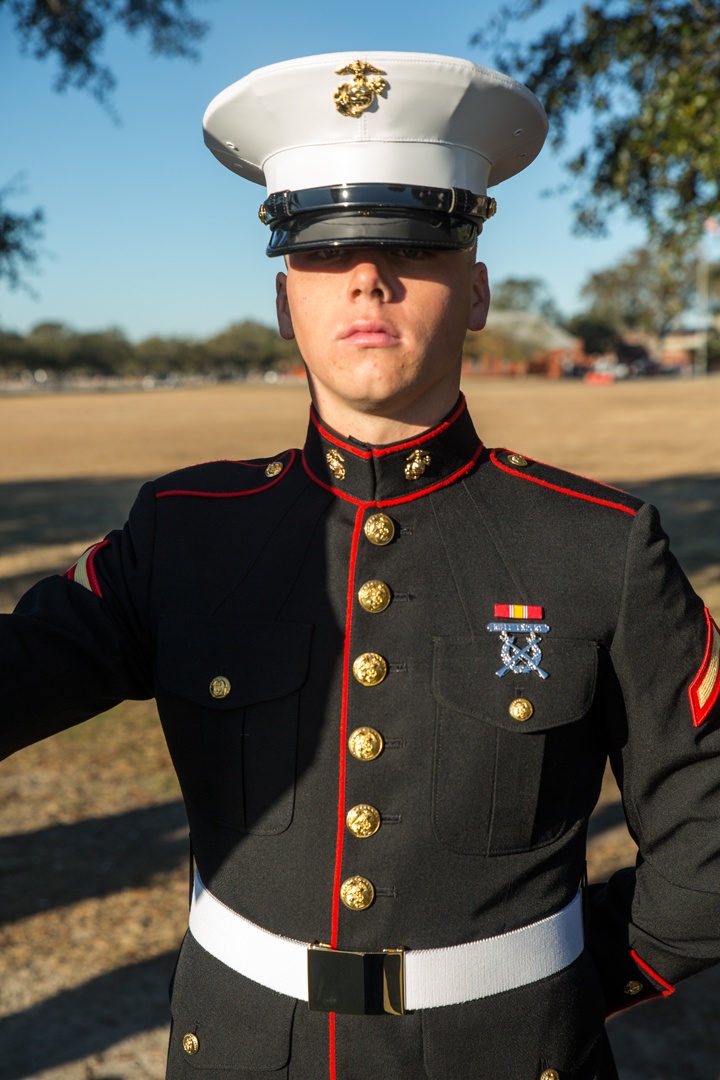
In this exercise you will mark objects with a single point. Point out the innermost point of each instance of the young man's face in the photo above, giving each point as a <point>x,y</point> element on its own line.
<point>381,330</point>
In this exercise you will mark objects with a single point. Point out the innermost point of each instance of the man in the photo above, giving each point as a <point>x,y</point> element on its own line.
<point>391,667</point>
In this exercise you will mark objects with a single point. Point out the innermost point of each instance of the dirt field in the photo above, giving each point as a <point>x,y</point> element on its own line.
<point>93,849</point>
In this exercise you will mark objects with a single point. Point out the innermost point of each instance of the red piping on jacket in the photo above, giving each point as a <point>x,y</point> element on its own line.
<point>669,989</point>
<point>402,498</point>
<point>701,710</point>
<point>393,447</point>
<point>331,1029</point>
<point>342,770</point>
<point>562,490</point>
<point>232,494</point>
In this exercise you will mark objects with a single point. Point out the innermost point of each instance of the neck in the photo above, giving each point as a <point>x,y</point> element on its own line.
<point>380,428</point>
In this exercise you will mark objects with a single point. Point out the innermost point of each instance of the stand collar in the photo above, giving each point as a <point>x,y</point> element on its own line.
<point>398,472</point>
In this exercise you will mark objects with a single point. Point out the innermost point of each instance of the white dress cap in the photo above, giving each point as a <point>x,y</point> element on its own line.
<point>375,118</point>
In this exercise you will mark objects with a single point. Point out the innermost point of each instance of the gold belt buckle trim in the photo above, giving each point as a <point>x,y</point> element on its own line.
<point>360,983</point>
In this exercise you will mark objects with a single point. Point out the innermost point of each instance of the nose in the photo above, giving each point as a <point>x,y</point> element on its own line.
<point>370,276</point>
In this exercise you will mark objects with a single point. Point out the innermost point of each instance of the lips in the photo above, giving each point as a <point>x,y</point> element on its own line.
<point>370,333</point>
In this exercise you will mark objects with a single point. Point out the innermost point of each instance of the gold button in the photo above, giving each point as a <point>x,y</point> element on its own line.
<point>190,1044</point>
<point>633,987</point>
<point>521,709</point>
<point>374,596</point>
<point>550,1074</point>
<point>417,463</point>
<point>220,687</point>
<point>518,459</point>
<point>274,468</point>
<point>370,668</point>
<point>336,465</point>
<point>365,744</point>
<point>357,893</point>
<point>379,529</point>
<point>363,821</point>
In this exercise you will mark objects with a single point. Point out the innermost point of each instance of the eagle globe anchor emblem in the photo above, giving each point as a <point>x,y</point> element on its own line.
<point>352,99</point>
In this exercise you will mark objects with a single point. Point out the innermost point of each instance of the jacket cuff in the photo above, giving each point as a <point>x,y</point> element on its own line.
<point>630,969</point>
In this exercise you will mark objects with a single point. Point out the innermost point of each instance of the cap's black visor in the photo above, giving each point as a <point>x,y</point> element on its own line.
<point>376,228</point>
<point>374,214</point>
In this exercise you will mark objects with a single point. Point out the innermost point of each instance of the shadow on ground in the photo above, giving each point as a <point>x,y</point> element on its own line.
<point>690,510</point>
<point>64,864</point>
<point>38,512</point>
<point>92,1017</point>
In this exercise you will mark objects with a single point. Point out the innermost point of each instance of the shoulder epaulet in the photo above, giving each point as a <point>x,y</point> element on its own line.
<point>226,479</point>
<point>564,483</point>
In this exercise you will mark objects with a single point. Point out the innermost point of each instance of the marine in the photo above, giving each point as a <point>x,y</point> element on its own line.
<point>391,665</point>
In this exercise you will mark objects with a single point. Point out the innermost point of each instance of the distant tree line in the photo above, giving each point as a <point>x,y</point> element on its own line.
<point>58,349</point>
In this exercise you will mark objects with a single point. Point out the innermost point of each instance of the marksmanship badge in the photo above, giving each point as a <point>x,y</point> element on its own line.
<point>352,99</point>
<point>519,659</point>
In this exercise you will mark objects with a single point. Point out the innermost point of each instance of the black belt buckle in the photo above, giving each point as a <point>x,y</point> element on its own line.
<point>361,983</point>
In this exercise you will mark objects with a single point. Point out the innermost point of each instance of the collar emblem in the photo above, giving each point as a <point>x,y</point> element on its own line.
<point>336,464</point>
<point>417,463</point>
<point>352,99</point>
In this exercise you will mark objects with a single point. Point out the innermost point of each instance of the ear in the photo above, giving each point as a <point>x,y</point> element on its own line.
<point>480,297</point>
<point>282,307</point>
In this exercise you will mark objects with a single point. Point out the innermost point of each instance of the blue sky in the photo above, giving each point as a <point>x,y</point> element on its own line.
<point>146,231</point>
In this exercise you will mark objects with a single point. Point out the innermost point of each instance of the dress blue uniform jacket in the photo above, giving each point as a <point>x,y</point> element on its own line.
<point>249,573</point>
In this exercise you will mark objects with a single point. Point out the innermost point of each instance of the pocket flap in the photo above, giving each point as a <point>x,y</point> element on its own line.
<point>260,660</point>
<point>237,1024</point>
<point>465,680</point>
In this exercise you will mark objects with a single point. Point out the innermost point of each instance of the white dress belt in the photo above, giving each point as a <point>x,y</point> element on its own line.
<point>433,977</point>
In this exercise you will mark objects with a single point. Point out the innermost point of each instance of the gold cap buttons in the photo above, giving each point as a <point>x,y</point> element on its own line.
<point>365,744</point>
<point>363,821</point>
<point>370,668</point>
<point>374,596</point>
<point>220,687</point>
<point>633,987</point>
<point>379,529</point>
<point>190,1043</point>
<point>521,709</point>
<point>517,459</point>
<point>357,893</point>
<point>550,1074</point>
<point>274,469</point>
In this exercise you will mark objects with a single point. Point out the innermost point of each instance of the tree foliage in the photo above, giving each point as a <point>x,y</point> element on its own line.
<point>19,235</point>
<point>73,32</point>
<point>646,72</point>
<point>61,350</point>
<point>525,294</point>
<point>645,291</point>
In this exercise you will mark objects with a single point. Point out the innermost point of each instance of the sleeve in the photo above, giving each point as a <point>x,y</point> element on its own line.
<point>653,925</point>
<point>78,644</point>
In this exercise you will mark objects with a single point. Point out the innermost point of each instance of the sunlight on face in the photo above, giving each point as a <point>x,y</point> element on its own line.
<point>381,330</point>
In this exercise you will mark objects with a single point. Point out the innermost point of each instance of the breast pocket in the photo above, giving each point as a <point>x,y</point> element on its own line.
<point>506,748</point>
<point>228,695</point>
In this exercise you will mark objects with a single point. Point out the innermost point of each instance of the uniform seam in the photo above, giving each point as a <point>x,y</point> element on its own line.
<point>189,492</point>
<point>561,490</point>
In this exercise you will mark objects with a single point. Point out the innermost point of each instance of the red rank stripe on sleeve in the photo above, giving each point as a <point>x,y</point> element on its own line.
<point>518,611</point>
<point>83,571</point>
<point>705,687</point>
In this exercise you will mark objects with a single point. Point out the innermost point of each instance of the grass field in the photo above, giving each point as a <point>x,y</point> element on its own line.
<point>92,838</point>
